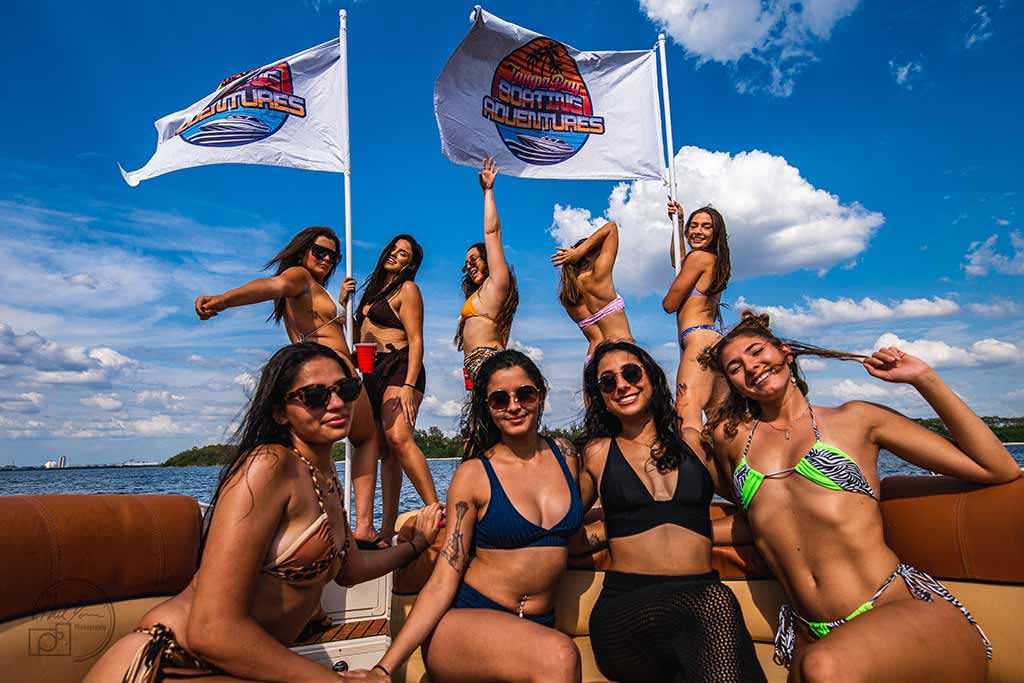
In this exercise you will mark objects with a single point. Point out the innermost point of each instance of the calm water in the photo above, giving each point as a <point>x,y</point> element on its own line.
<point>199,482</point>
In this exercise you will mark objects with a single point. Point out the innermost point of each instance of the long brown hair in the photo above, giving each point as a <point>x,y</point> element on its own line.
<point>569,291</point>
<point>737,408</point>
<point>720,248</point>
<point>379,284</point>
<point>508,308</point>
<point>293,254</point>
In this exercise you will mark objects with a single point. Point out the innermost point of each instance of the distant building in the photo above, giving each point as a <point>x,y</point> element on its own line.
<point>62,463</point>
<point>50,465</point>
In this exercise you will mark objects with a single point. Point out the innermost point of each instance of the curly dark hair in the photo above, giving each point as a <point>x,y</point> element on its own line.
<point>737,408</point>
<point>479,433</point>
<point>669,447</point>
<point>258,426</point>
<point>293,254</point>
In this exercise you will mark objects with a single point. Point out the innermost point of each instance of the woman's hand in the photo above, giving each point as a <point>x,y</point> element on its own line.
<point>564,256</point>
<point>347,288</point>
<point>375,675</point>
<point>428,523</point>
<point>892,365</point>
<point>488,173</point>
<point>675,209</point>
<point>207,307</point>
<point>407,397</point>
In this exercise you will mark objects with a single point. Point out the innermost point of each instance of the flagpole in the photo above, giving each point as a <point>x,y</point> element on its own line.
<point>349,327</point>
<point>676,240</point>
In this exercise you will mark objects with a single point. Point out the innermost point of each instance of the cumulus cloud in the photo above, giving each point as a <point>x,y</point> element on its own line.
<point>777,221</point>
<point>982,257</point>
<point>851,390</point>
<point>21,429</point>
<point>109,402</point>
<point>439,408</point>
<point>48,362</point>
<point>816,312</point>
<point>905,74</point>
<point>29,402</point>
<point>114,428</point>
<point>535,353</point>
<point>246,380</point>
<point>767,42</point>
<point>160,397</point>
<point>808,364</point>
<point>941,354</point>
<point>995,309</point>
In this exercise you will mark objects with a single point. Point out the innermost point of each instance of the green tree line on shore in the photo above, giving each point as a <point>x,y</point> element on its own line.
<point>436,444</point>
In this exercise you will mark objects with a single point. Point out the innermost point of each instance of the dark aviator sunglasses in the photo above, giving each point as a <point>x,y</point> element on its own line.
<point>527,397</point>
<point>631,372</point>
<point>317,396</point>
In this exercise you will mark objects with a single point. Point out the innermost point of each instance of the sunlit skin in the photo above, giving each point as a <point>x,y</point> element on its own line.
<point>696,387</point>
<point>667,549</point>
<point>826,547</point>
<point>483,644</point>
<point>475,266</point>
<point>232,615</point>
<point>400,405</point>
<point>307,310</point>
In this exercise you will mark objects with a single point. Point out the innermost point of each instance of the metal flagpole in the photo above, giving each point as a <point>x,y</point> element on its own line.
<point>676,239</point>
<point>349,328</point>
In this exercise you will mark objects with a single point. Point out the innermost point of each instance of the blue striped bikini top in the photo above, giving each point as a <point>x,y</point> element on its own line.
<point>504,528</point>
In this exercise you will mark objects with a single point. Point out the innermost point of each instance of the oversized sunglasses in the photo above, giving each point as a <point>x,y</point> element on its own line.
<point>631,372</point>
<point>526,396</point>
<point>324,254</point>
<point>317,396</point>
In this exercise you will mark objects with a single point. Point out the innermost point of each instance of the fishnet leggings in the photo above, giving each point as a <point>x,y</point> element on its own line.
<point>655,629</point>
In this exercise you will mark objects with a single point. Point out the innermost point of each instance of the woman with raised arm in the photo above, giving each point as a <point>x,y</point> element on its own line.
<point>694,297</point>
<point>276,535</point>
<point>489,286</point>
<point>390,315</point>
<point>663,614</point>
<point>806,479</point>
<point>310,313</point>
<point>486,612</point>
<point>587,290</point>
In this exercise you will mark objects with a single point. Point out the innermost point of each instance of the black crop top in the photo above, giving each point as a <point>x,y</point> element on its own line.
<point>629,508</point>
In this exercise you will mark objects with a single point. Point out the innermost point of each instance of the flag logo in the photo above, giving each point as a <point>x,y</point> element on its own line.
<point>246,111</point>
<point>540,104</point>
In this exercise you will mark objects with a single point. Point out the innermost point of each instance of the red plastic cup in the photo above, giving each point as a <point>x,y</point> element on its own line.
<point>365,355</point>
<point>467,379</point>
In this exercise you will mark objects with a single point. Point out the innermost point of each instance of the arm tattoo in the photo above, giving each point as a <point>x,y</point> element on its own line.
<point>453,549</point>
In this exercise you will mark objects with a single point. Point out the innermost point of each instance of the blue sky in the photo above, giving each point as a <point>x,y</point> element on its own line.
<point>866,158</point>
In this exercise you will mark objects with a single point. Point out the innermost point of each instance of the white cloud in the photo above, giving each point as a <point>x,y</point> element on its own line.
<point>940,354</point>
<point>995,309</point>
<point>535,353</point>
<point>93,377</point>
<point>18,429</point>
<point>818,312</point>
<point>812,364</point>
<point>776,220</point>
<point>851,390</point>
<point>160,397</point>
<point>436,406</point>
<point>905,74</point>
<point>30,402</point>
<point>981,27</point>
<point>246,380</point>
<point>157,425</point>
<point>109,402</point>
<point>773,37</point>
<point>982,257</point>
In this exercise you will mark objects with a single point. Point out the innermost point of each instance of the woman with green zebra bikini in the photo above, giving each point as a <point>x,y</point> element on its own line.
<point>807,482</point>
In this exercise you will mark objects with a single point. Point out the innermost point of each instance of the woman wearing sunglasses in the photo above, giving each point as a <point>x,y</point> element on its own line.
<point>310,313</point>
<point>276,535</point>
<point>663,614</point>
<point>390,315</point>
<point>489,286</point>
<point>694,298</point>
<point>486,612</point>
<point>587,290</point>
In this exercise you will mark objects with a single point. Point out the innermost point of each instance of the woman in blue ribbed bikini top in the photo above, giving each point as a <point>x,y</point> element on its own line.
<point>504,527</point>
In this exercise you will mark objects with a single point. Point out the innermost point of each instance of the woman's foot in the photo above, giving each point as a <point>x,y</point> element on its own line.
<point>370,541</point>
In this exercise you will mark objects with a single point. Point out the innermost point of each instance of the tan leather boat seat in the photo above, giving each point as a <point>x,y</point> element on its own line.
<point>969,536</point>
<point>79,571</point>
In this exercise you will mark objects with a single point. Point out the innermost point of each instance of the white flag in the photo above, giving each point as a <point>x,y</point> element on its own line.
<point>546,110</point>
<point>287,113</point>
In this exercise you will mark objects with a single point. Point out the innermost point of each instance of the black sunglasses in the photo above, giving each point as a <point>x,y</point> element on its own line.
<point>324,254</point>
<point>631,372</point>
<point>317,396</point>
<point>526,396</point>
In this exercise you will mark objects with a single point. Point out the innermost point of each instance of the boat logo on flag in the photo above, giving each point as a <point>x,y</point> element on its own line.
<point>247,110</point>
<point>540,104</point>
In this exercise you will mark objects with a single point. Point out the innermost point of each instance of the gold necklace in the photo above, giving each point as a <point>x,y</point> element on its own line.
<point>786,429</point>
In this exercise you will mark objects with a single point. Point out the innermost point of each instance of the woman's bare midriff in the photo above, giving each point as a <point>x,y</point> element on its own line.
<point>480,331</point>
<point>505,576</point>
<point>666,550</point>
<point>698,310</point>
